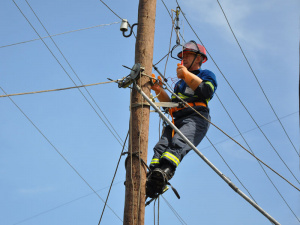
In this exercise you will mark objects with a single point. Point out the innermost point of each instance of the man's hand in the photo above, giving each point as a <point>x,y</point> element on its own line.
<point>181,71</point>
<point>157,83</point>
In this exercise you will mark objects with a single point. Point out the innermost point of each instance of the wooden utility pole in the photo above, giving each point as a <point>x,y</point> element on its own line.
<point>134,211</point>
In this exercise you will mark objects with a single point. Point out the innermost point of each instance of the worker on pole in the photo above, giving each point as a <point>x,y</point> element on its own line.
<point>196,87</point>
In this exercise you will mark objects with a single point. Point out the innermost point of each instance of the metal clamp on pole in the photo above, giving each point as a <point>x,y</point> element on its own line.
<point>136,70</point>
<point>227,180</point>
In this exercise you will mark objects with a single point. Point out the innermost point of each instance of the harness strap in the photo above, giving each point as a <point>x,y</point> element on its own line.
<point>175,109</point>
<point>192,104</point>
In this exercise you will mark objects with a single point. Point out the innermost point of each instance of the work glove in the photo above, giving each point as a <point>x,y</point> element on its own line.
<point>156,83</point>
<point>181,71</point>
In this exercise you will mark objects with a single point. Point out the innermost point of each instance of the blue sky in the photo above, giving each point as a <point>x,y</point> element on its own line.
<point>39,187</point>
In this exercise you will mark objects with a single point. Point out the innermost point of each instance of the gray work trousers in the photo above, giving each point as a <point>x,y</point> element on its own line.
<point>173,149</point>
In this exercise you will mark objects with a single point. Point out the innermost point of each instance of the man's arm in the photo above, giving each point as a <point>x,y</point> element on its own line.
<point>190,79</point>
<point>161,94</point>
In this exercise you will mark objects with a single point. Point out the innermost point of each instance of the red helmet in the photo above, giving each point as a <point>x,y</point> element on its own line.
<point>192,46</point>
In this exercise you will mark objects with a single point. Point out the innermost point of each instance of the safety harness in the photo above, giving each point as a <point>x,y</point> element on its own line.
<point>176,109</point>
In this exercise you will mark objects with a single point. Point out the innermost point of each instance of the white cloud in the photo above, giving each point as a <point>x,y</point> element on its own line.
<point>243,16</point>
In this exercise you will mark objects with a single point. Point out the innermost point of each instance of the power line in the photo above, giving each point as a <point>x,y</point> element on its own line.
<point>67,32</point>
<point>241,101</point>
<point>174,211</point>
<point>61,155</point>
<point>111,10</point>
<point>257,79</point>
<point>117,138</point>
<point>249,131</point>
<point>61,205</point>
<point>185,103</point>
<point>113,178</point>
<point>256,125</point>
<point>207,137</point>
<point>58,89</point>
<point>251,153</point>
<point>230,169</point>
<point>260,164</point>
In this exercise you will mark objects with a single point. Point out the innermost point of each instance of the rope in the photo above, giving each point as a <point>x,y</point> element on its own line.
<point>67,32</point>
<point>113,178</point>
<point>58,89</point>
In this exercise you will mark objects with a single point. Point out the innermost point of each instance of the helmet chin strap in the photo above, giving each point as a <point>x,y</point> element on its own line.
<point>192,62</point>
<point>195,55</point>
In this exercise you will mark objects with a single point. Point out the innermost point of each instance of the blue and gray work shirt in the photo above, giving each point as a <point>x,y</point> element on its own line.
<point>203,93</point>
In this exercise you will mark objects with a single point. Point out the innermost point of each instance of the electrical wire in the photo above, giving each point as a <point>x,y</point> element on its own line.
<point>298,154</point>
<point>252,152</point>
<point>258,161</point>
<point>113,178</point>
<point>242,103</point>
<point>67,32</point>
<point>230,169</point>
<point>243,138</point>
<point>61,155</point>
<point>220,142</point>
<point>61,205</point>
<point>174,211</point>
<point>116,135</point>
<point>207,137</point>
<point>58,89</point>
<point>185,103</point>
<point>111,9</point>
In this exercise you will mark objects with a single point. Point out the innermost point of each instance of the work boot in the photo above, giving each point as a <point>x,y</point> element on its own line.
<point>168,169</point>
<point>160,177</point>
<point>151,190</point>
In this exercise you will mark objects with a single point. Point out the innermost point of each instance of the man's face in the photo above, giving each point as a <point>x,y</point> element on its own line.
<point>188,58</point>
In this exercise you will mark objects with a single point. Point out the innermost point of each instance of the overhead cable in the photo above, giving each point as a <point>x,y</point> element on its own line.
<point>113,178</point>
<point>244,138</point>
<point>60,154</point>
<point>231,169</point>
<point>259,162</point>
<point>111,9</point>
<point>58,89</point>
<point>233,140</point>
<point>215,169</point>
<point>248,131</point>
<point>243,103</point>
<point>178,42</point>
<point>61,205</point>
<point>258,80</point>
<point>174,211</point>
<point>114,134</point>
<point>53,35</point>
